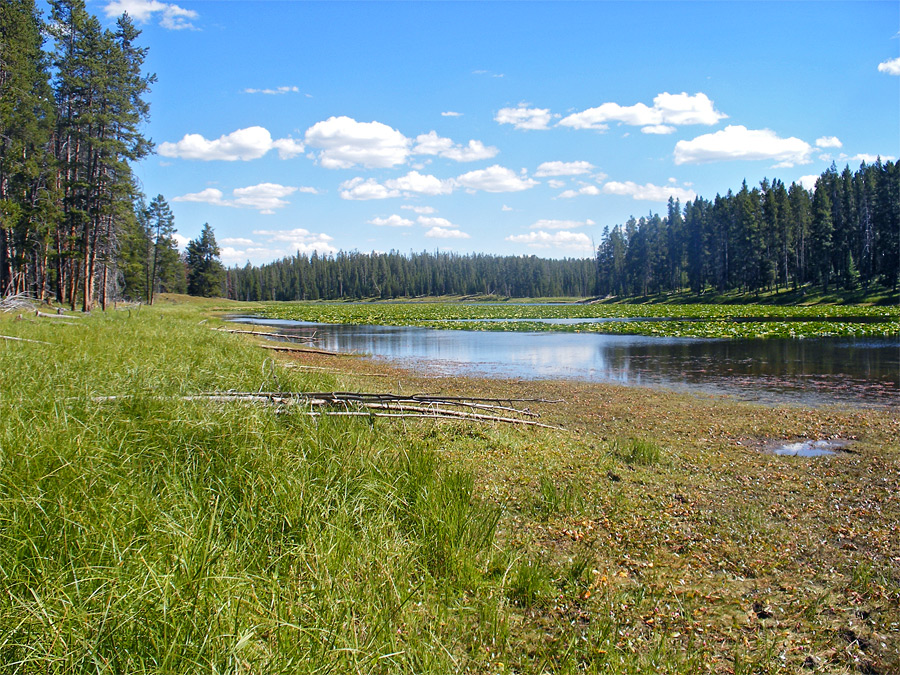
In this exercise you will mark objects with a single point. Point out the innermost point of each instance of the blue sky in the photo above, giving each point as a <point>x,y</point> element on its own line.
<point>508,127</point>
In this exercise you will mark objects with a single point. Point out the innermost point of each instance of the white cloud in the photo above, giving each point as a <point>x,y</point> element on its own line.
<point>563,169</point>
<point>578,241</point>
<point>667,110</point>
<point>739,142</point>
<point>391,221</point>
<point>590,190</point>
<point>444,233</point>
<point>180,241</point>
<point>658,129</point>
<point>561,224</point>
<point>425,221</point>
<point>828,142</point>
<point>344,143</point>
<point>495,179</point>
<point>891,66</point>
<point>524,118</point>
<point>360,189</point>
<point>297,240</point>
<point>871,159</point>
<point>423,184</point>
<point>237,241</point>
<point>265,197</point>
<point>418,209</point>
<point>809,182</point>
<point>450,113</point>
<point>208,196</point>
<point>171,16</point>
<point>243,144</point>
<point>649,192</point>
<point>506,208</point>
<point>556,184</point>
<point>432,144</point>
<point>274,92</point>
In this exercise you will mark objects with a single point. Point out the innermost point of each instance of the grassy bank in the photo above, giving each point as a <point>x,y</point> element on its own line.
<point>153,534</point>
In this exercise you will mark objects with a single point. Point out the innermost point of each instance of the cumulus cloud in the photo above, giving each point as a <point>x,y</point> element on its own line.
<point>649,192</point>
<point>658,129</point>
<point>563,169</point>
<point>432,144</point>
<point>828,142</point>
<point>413,183</point>
<point>423,184</point>
<point>298,240</point>
<point>344,143</point>
<point>870,159</point>
<point>578,241</point>
<point>667,110</point>
<point>739,142</point>
<point>265,197</point>
<point>446,233</point>
<point>274,92</point>
<point>561,224</point>
<point>426,221</point>
<point>171,16</point>
<point>243,144</point>
<point>362,189</point>
<point>451,113</point>
<point>495,179</point>
<point>891,66</point>
<point>808,182</point>
<point>589,190</point>
<point>524,117</point>
<point>391,221</point>
<point>418,209</point>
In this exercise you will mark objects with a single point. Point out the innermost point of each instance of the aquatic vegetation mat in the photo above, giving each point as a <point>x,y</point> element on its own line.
<point>704,321</point>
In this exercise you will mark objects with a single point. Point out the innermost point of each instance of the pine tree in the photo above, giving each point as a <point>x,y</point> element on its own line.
<point>205,273</point>
<point>27,195</point>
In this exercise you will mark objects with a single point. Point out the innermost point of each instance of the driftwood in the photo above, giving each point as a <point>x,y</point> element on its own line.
<point>286,336</point>
<point>56,316</point>
<point>18,339</point>
<point>357,404</point>
<point>302,350</point>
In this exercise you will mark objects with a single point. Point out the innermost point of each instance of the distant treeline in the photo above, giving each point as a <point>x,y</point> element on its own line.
<point>394,275</point>
<point>845,232</point>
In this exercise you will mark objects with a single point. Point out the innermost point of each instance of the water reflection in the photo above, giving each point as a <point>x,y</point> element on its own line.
<point>813,371</point>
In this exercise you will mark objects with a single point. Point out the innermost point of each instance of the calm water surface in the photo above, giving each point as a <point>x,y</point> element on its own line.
<point>847,371</point>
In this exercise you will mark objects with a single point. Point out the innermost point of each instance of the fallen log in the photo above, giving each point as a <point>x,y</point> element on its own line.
<point>302,350</point>
<point>305,338</point>
<point>18,339</point>
<point>39,313</point>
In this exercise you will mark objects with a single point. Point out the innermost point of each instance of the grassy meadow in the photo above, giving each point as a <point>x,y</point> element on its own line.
<point>148,533</point>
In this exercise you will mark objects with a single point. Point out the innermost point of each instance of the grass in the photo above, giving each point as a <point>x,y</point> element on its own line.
<point>151,534</point>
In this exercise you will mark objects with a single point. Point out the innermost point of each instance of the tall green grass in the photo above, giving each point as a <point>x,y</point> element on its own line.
<point>150,534</point>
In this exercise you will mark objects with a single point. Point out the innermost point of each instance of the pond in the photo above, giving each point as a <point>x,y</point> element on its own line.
<point>846,371</point>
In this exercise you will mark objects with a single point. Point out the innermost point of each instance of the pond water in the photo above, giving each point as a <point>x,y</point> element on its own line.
<point>846,371</point>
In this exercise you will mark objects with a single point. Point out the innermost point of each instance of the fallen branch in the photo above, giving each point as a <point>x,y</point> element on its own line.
<point>278,348</point>
<point>305,338</point>
<point>56,316</point>
<point>18,339</point>
<point>356,404</point>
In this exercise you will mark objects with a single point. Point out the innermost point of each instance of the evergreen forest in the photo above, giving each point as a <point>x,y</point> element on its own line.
<point>74,225</point>
<point>843,234</point>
